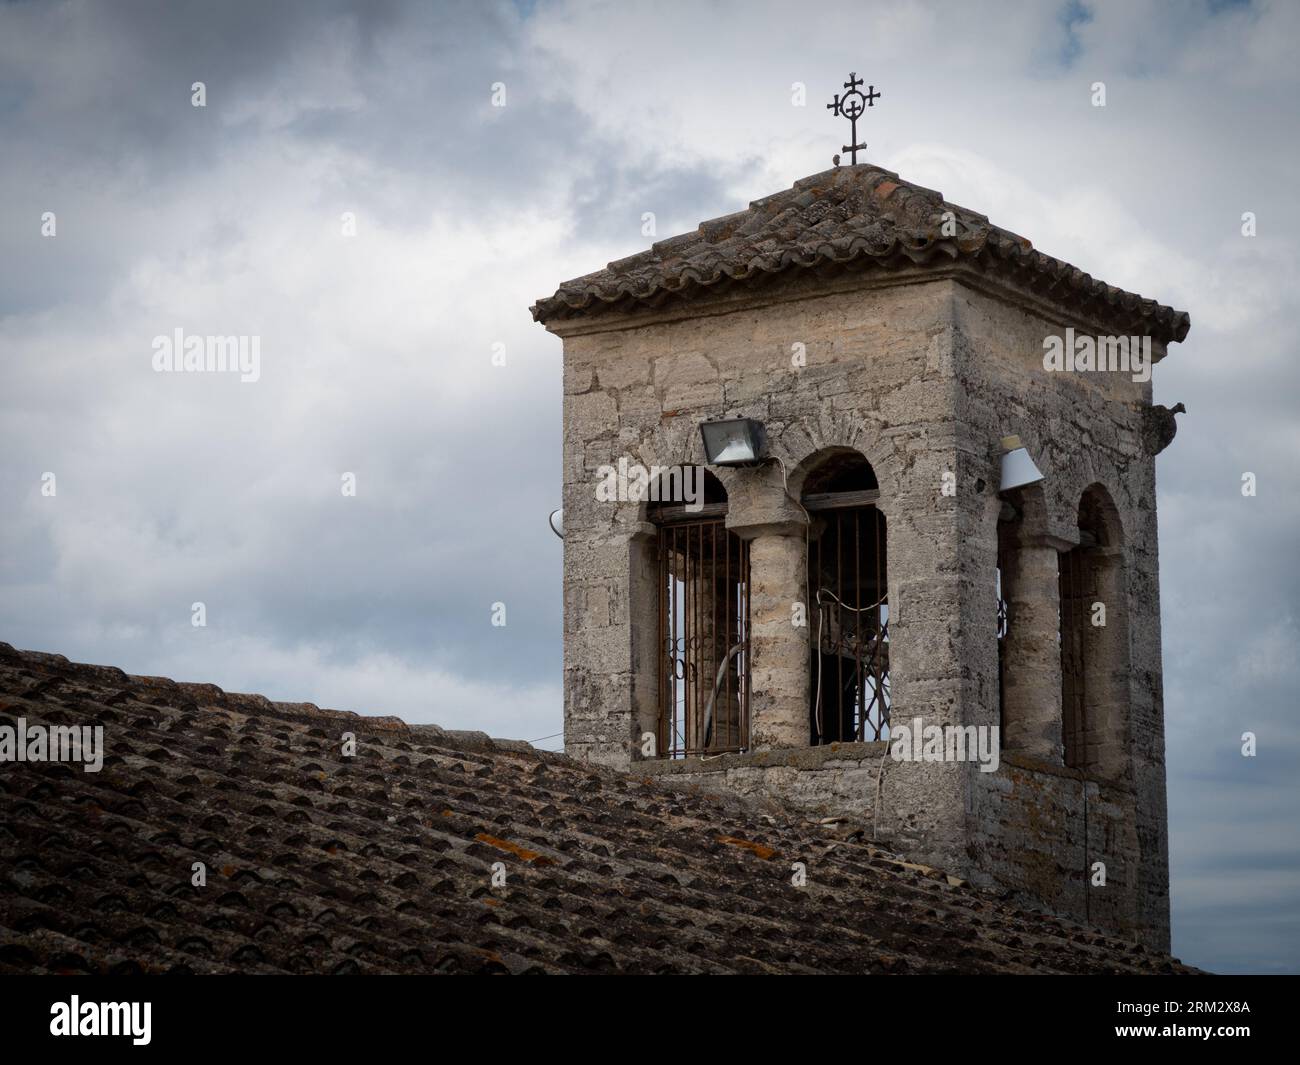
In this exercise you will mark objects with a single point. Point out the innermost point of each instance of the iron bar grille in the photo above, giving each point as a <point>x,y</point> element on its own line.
<point>703,639</point>
<point>1077,579</point>
<point>1003,623</point>
<point>1004,616</point>
<point>849,615</point>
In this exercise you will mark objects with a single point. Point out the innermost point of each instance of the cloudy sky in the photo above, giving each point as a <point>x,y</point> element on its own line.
<point>376,349</point>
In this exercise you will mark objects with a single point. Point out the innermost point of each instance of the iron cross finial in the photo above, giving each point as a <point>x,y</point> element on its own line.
<point>851,106</point>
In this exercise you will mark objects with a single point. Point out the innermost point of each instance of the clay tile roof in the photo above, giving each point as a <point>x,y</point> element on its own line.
<point>318,863</point>
<point>848,218</point>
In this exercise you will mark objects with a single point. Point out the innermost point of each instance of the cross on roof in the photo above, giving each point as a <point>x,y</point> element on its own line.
<point>851,106</point>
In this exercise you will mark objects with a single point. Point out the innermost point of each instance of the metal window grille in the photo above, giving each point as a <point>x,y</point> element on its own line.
<point>848,597</point>
<point>1003,626</point>
<point>703,638</point>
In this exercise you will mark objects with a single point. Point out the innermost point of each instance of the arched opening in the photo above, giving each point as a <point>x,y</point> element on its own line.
<point>848,602</point>
<point>1094,641</point>
<point>703,627</point>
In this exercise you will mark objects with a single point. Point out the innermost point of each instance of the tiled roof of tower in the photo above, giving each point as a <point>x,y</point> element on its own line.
<point>848,218</point>
<point>381,862</point>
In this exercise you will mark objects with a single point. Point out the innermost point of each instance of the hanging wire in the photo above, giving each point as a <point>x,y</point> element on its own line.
<point>844,606</point>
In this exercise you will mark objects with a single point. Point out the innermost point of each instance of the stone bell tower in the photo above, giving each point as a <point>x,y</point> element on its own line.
<point>851,610</point>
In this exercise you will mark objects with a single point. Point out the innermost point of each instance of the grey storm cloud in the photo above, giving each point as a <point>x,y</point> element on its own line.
<point>376,349</point>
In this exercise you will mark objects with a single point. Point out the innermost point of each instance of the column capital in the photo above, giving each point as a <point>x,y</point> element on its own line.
<point>766,513</point>
<point>754,530</point>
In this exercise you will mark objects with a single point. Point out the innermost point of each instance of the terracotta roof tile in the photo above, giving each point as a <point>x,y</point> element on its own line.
<point>849,218</point>
<point>319,863</point>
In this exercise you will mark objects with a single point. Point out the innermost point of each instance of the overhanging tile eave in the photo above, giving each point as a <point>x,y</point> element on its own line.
<point>1049,282</point>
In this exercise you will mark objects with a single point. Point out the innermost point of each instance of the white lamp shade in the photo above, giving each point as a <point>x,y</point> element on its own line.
<point>557,522</point>
<point>1018,468</point>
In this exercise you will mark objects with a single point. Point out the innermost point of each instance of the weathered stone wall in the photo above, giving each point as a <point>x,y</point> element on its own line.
<point>879,380</point>
<point>838,778</point>
<point>856,780</point>
<point>1043,826</point>
<point>1083,429</point>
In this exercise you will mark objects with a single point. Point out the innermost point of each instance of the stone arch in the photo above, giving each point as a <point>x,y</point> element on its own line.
<point>1094,640</point>
<point>667,490</point>
<point>847,596</point>
<point>816,446</point>
<point>675,443</point>
<point>691,611</point>
<point>1098,514</point>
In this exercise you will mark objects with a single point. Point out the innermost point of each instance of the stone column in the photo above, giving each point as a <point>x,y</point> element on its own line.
<point>642,604</point>
<point>776,528</point>
<point>778,648</point>
<point>1031,663</point>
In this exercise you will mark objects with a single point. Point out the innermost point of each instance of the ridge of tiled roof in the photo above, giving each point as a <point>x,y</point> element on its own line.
<point>849,217</point>
<point>320,863</point>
